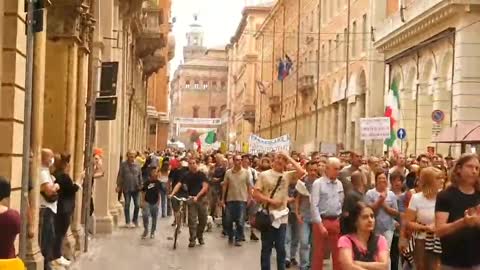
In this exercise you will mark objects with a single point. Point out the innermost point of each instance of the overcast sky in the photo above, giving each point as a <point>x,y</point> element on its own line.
<point>219,19</point>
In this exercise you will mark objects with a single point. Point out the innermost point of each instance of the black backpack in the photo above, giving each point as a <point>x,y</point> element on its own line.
<point>372,249</point>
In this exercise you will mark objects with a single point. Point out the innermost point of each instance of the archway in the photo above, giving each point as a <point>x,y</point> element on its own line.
<point>408,109</point>
<point>442,95</point>
<point>425,107</point>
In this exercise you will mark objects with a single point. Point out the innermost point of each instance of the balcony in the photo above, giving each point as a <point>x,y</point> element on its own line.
<point>152,63</point>
<point>274,103</point>
<point>249,113</point>
<point>306,85</point>
<point>152,31</point>
<point>415,19</point>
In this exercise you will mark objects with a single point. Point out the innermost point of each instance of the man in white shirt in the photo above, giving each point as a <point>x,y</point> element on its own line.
<point>48,210</point>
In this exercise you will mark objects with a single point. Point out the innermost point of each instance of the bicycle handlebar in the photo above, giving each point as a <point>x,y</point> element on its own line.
<point>182,199</point>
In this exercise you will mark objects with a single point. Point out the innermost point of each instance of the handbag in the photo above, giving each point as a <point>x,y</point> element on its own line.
<point>262,220</point>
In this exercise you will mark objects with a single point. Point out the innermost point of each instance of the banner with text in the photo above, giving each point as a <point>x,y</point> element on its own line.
<point>260,145</point>
<point>375,128</point>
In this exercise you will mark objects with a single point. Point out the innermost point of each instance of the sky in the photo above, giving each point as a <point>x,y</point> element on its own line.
<point>219,19</point>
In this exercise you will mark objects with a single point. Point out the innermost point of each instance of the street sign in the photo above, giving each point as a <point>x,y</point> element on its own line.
<point>438,116</point>
<point>401,133</point>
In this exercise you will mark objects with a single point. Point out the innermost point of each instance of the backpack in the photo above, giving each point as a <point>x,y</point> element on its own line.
<point>371,250</point>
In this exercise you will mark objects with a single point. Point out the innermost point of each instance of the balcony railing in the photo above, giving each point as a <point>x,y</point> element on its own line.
<point>306,85</point>
<point>274,103</point>
<point>249,112</point>
<point>153,32</point>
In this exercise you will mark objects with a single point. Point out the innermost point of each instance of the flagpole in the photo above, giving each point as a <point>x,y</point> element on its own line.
<point>297,75</point>
<point>347,71</point>
<point>417,88</point>
<point>273,76</point>
<point>261,92</point>
<point>281,89</point>
<point>318,69</point>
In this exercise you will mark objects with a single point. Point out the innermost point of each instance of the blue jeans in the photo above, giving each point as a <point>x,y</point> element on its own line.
<point>163,200</point>
<point>150,210</point>
<point>129,196</point>
<point>273,238</point>
<point>306,235</point>
<point>292,239</point>
<point>235,212</point>
<point>47,235</point>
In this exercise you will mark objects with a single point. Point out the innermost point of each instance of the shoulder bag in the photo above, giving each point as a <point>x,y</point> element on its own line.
<point>262,220</point>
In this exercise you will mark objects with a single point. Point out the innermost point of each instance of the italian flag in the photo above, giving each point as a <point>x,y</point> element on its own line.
<point>392,111</point>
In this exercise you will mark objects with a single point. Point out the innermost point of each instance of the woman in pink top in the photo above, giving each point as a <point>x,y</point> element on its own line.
<point>361,248</point>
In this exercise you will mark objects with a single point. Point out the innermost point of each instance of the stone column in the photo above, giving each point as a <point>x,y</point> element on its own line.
<point>34,257</point>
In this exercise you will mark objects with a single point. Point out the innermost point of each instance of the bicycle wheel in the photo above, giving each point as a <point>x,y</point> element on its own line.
<point>178,225</point>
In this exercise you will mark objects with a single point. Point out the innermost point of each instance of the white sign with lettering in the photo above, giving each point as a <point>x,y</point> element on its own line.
<point>260,145</point>
<point>375,128</point>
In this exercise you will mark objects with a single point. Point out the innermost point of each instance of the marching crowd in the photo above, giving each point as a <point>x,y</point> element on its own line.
<point>372,213</point>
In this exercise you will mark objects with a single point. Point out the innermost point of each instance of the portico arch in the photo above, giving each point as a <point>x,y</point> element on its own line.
<point>425,108</point>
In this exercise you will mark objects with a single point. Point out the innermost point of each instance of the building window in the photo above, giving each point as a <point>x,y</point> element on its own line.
<point>345,47</point>
<point>322,59</point>
<point>213,112</point>
<point>337,50</point>
<point>365,32</point>
<point>214,85</point>
<point>153,129</point>
<point>223,84</point>
<point>205,85</point>
<point>195,111</point>
<point>354,39</point>
<point>187,84</point>
<point>197,85</point>
<point>329,61</point>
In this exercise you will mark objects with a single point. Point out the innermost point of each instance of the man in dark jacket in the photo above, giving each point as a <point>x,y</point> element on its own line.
<point>129,181</point>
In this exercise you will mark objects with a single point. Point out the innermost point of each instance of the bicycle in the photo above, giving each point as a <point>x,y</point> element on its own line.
<point>179,218</point>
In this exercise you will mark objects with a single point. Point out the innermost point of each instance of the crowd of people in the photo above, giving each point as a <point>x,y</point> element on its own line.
<point>372,213</point>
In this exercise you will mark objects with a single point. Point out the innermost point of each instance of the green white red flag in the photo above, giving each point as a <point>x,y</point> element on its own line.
<point>392,111</point>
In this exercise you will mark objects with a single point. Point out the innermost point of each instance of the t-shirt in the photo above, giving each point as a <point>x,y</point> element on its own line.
<point>344,242</point>
<point>425,209</point>
<point>194,182</point>
<point>267,181</point>
<point>152,191</point>
<point>9,228</point>
<point>46,178</point>
<point>175,177</point>
<point>383,221</point>
<point>238,185</point>
<point>459,249</point>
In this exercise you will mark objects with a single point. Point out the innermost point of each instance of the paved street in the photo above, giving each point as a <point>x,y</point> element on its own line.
<point>124,250</point>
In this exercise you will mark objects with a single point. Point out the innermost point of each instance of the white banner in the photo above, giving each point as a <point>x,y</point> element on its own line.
<point>259,145</point>
<point>375,128</point>
<point>328,148</point>
<point>199,130</point>
<point>197,121</point>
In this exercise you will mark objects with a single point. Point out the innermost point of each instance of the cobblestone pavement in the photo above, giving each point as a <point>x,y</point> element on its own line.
<point>125,250</point>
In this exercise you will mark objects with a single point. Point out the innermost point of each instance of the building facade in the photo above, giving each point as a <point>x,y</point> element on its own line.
<point>127,32</point>
<point>333,82</point>
<point>243,65</point>
<point>432,53</point>
<point>198,89</point>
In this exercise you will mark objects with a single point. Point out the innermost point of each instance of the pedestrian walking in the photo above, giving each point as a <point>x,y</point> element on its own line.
<point>457,216</point>
<point>150,199</point>
<point>271,190</point>
<point>129,182</point>
<point>360,247</point>
<point>327,200</point>
<point>236,191</point>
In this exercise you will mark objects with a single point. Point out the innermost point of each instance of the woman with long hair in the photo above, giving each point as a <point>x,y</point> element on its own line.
<point>66,203</point>
<point>457,216</point>
<point>360,248</point>
<point>420,218</point>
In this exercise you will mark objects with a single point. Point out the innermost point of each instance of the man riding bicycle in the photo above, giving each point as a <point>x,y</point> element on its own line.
<point>197,186</point>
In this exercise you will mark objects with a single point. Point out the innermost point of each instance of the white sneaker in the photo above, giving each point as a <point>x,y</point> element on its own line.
<point>64,261</point>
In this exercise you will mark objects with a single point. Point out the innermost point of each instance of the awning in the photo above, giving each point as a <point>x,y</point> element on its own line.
<point>461,133</point>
